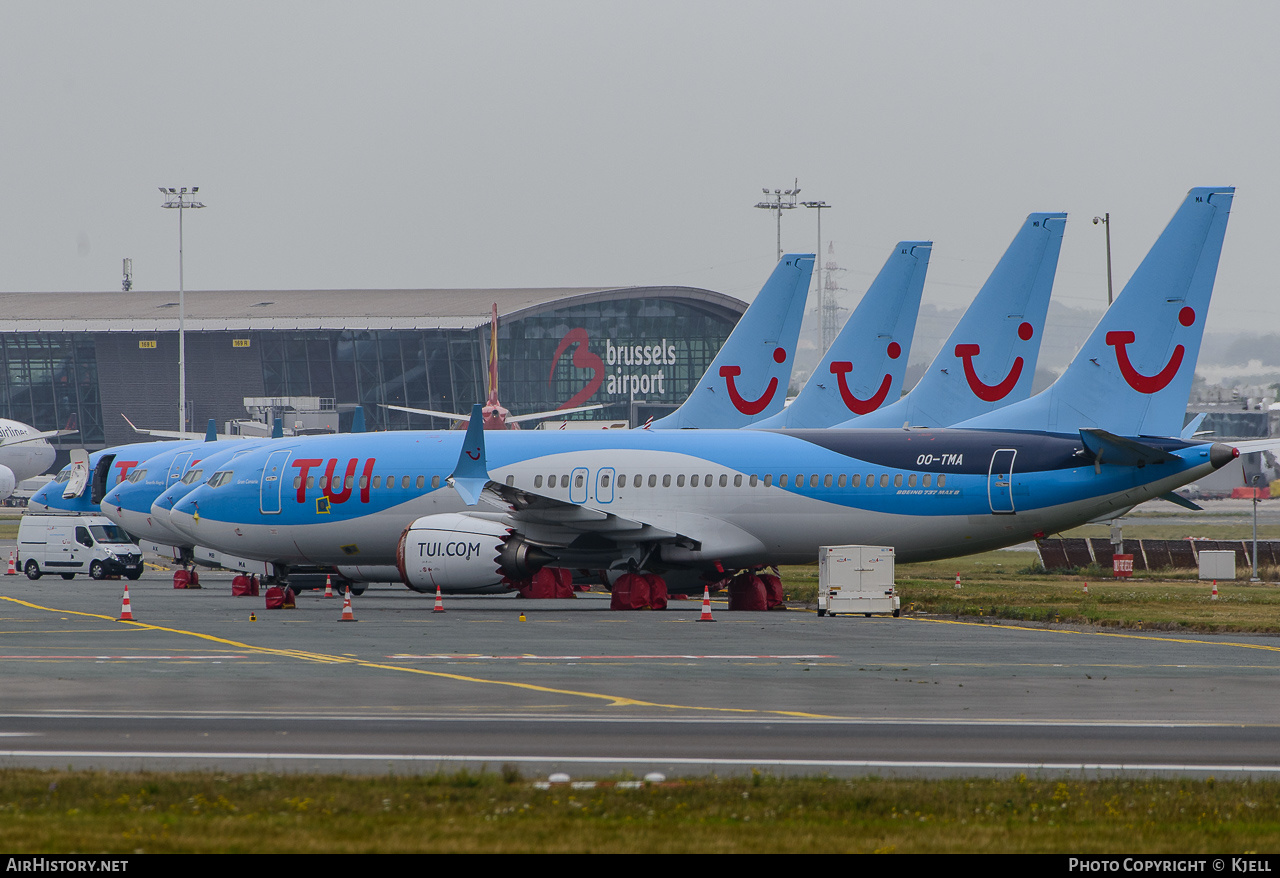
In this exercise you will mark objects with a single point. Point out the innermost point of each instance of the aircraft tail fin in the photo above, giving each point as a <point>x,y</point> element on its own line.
<point>277,428</point>
<point>989,361</point>
<point>472,472</point>
<point>1133,375</point>
<point>748,378</point>
<point>357,420</point>
<point>865,365</point>
<point>211,431</point>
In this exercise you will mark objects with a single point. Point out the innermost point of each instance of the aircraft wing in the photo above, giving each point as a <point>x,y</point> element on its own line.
<point>32,437</point>
<point>179,434</point>
<point>537,416</point>
<point>581,532</point>
<point>449,416</point>
<point>511,419</point>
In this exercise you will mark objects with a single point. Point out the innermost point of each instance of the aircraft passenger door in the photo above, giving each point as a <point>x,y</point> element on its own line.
<point>578,484</point>
<point>604,484</point>
<point>272,479</point>
<point>179,464</point>
<point>1000,481</point>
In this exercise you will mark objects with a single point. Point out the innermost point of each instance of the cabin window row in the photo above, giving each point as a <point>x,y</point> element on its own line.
<point>783,480</point>
<point>829,480</point>
<point>340,483</point>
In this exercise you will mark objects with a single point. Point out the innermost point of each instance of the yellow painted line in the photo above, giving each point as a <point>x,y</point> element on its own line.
<point>613,700</point>
<point>1008,627</point>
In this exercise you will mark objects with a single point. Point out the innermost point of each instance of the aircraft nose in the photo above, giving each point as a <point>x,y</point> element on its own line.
<point>114,496</point>
<point>185,515</point>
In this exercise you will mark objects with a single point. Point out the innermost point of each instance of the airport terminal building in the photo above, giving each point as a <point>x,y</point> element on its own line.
<point>85,359</point>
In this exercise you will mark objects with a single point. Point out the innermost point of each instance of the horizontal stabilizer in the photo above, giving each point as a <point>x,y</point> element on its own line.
<point>1253,446</point>
<point>1116,450</point>
<point>1179,500</point>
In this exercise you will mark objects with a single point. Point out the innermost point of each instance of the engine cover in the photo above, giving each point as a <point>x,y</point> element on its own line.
<point>455,552</point>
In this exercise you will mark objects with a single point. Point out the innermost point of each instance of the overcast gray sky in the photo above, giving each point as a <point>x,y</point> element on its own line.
<point>554,143</point>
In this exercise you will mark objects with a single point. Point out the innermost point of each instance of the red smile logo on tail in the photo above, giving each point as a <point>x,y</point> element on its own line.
<point>992,392</point>
<point>862,406</point>
<point>1120,339</point>
<point>751,406</point>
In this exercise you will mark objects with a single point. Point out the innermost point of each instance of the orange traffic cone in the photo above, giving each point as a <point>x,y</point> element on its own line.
<point>1214,596</point>
<point>328,586</point>
<point>1086,588</point>
<point>439,603</point>
<point>13,560</point>
<point>957,580</point>
<point>347,615</point>
<point>126,612</point>
<point>706,605</point>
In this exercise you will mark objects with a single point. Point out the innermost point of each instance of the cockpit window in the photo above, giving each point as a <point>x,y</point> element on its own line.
<point>219,479</point>
<point>64,476</point>
<point>137,476</point>
<point>192,476</point>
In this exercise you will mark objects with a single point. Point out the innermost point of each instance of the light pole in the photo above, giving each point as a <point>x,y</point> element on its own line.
<point>823,322</point>
<point>1105,219</point>
<point>1254,481</point>
<point>182,201</point>
<point>779,205</point>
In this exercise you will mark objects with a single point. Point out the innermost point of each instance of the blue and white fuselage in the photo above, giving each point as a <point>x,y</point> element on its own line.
<point>129,503</point>
<point>680,499</point>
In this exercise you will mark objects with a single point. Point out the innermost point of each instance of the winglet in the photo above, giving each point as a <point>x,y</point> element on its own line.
<point>472,472</point>
<point>211,431</point>
<point>277,428</point>
<point>1189,431</point>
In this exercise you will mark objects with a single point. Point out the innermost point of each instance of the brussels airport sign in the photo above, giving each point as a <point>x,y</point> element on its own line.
<point>622,382</point>
<point>625,371</point>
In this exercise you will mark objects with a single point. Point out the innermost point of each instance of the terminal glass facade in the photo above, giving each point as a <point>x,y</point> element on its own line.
<point>616,352</point>
<point>52,383</point>
<point>432,369</point>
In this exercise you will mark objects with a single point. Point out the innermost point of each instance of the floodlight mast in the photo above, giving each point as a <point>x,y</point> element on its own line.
<point>825,321</point>
<point>1105,219</point>
<point>182,200</point>
<point>778,205</point>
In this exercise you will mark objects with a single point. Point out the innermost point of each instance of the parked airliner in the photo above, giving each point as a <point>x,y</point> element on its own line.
<point>989,360</point>
<point>24,452</point>
<point>673,501</point>
<point>867,361</point>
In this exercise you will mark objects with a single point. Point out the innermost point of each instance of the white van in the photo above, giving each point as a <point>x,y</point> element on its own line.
<point>71,544</point>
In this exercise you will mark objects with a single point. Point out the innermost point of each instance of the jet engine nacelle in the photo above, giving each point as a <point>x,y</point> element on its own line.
<point>461,553</point>
<point>8,482</point>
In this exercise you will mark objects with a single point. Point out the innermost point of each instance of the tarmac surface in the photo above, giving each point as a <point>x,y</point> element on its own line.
<point>192,683</point>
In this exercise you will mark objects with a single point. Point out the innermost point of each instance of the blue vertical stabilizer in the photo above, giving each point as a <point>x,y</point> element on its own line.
<point>748,378</point>
<point>865,366</point>
<point>990,359</point>
<point>1133,375</point>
